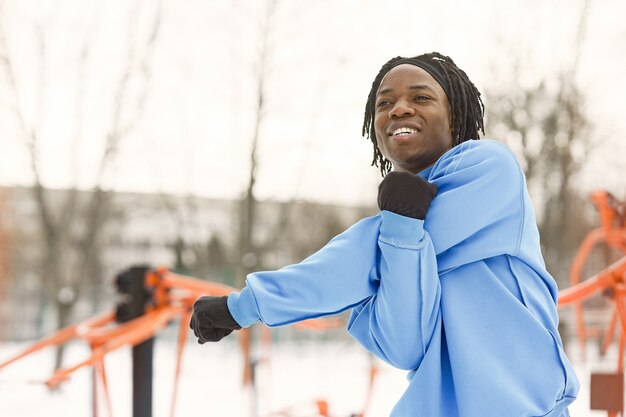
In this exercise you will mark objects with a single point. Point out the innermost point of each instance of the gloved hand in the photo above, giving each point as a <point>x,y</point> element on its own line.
<point>211,320</point>
<point>406,194</point>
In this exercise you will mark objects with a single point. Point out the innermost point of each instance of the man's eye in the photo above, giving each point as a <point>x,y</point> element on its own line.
<point>421,98</point>
<point>382,103</point>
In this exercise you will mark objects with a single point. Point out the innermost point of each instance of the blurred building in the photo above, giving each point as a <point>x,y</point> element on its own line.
<point>196,236</point>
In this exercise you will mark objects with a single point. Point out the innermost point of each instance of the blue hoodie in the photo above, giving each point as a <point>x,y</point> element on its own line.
<point>462,300</point>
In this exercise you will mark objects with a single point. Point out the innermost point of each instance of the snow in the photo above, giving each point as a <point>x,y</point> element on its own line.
<point>294,374</point>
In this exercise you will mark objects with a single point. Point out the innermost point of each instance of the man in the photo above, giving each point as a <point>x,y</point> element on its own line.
<point>447,281</point>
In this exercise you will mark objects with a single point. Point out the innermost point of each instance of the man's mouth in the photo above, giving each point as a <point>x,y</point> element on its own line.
<point>404,131</point>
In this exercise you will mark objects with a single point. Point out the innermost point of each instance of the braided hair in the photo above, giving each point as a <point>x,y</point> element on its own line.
<point>466,106</point>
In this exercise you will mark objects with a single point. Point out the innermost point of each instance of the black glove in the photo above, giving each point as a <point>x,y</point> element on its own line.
<point>211,320</point>
<point>406,194</point>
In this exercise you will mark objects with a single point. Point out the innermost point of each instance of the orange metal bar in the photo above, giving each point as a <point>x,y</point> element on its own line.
<point>593,238</point>
<point>620,353</point>
<point>171,280</point>
<point>140,329</point>
<point>621,308</point>
<point>101,371</point>
<point>603,280</point>
<point>62,336</point>
<point>182,341</point>
<point>245,346</point>
<point>610,332</point>
<point>602,200</point>
<point>100,336</point>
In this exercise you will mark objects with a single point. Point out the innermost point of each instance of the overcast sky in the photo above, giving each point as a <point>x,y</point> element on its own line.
<point>195,133</point>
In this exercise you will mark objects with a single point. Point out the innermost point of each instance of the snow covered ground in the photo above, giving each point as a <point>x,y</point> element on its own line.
<point>297,374</point>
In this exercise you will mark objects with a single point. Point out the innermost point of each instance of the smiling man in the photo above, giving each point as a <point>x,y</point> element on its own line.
<point>412,122</point>
<point>448,280</point>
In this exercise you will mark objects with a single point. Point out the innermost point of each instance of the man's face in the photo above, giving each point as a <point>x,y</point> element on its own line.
<point>412,120</point>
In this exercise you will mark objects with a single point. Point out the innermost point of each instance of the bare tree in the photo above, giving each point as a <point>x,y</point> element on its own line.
<point>546,123</point>
<point>72,228</point>
<point>248,251</point>
<point>4,264</point>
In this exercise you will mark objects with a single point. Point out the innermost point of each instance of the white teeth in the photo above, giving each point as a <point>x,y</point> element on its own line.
<point>403,131</point>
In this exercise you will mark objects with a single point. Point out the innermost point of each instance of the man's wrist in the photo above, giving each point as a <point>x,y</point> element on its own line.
<point>401,231</point>
<point>243,307</point>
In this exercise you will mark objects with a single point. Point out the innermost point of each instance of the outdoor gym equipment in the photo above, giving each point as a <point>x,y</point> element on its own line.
<point>607,390</point>
<point>151,299</point>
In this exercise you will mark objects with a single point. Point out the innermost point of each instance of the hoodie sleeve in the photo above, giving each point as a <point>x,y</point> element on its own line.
<point>339,276</point>
<point>384,265</point>
<point>398,321</point>
<point>478,211</point>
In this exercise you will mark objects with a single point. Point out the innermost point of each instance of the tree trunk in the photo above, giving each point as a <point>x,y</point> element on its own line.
<point>63,314</point>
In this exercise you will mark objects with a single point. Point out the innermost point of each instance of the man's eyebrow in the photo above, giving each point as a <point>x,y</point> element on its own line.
<point>413,87</point>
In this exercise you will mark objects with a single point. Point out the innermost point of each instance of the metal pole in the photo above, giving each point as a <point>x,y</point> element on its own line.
<point>131,284</point>
<point>94,392</point>
<point>142,378</point>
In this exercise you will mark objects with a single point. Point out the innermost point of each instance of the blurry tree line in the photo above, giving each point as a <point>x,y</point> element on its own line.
<point>192,235</point>
<point>547,127</point>
<point>544,123</point>
<point>71,227</point>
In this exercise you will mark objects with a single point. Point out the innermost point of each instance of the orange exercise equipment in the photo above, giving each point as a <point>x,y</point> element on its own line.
<point>611,234</point>
<point>610,282</point>
<point>171,297</point>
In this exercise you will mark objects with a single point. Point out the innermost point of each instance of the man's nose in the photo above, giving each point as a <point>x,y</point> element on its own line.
<point>401,109</point>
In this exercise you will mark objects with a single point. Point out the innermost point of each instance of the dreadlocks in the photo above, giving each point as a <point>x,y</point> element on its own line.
<point>466,106</point>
